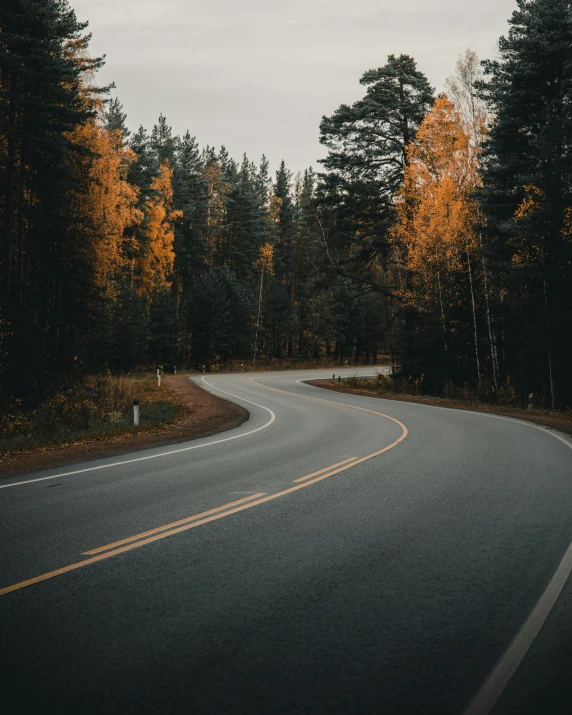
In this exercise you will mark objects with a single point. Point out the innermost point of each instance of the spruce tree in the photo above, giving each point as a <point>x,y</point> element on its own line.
<point>283,191</point>
<point>163,145</point>
<point>247,220</point>
<point>143,171</point>
<point>527,195</point>
<point>114,119</point>
<point>190,197</point>
<point>43,60</point>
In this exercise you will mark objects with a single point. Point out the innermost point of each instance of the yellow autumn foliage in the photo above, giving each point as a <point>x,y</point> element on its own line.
<point>156,258</point>
<point>103,201</point>
<point>266,258</point>
<point>435,209</point>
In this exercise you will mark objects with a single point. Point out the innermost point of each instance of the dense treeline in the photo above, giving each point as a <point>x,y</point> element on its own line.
<point>123,250</point>
<point>439,230</point>
<point>459,210</point>
<point>484,216</point>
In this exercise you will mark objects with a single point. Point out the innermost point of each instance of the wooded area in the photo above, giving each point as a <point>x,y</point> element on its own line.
<point>439,231</point>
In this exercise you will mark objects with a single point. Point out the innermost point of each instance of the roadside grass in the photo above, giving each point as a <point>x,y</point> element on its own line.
<point>508,402</point>
<point>278,364</point>
<point>96,407</point>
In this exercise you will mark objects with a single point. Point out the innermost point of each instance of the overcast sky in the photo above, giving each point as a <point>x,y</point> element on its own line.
<point>258,75</point>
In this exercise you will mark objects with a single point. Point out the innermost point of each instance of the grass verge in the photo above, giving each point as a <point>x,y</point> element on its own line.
<point>97,407</point>
<point>278,364</point>
<point>384,387</point>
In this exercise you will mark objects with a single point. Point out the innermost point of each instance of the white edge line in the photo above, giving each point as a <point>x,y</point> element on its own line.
<point>162,454</point>
<point>546,430</point>
<point>494,685</point>
<point>499,677</point>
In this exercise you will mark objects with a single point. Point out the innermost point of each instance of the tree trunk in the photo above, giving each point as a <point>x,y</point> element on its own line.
<point>492,336</point>
<point>258,314</point>
<point>442,310</point>
<point>9,192</point>
<point>476,337</point>
<point>549,346</point>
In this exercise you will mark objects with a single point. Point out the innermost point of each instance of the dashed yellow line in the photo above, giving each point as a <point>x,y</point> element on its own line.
<point>176,527</point>
<point>325,469</point>
<point>172,525</point>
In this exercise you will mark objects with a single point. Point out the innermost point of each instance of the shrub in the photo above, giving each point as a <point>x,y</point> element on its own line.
<point>96,406</point>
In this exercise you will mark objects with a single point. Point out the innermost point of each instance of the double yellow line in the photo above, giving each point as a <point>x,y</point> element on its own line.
<point>176,527</point>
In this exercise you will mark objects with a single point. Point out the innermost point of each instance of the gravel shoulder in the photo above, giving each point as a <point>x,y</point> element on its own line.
<point>208,415</point>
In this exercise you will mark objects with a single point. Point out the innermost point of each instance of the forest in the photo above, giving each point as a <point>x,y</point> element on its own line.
<point>437,231</point>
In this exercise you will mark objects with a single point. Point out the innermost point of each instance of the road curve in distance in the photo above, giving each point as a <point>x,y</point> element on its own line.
<point>333,554</point>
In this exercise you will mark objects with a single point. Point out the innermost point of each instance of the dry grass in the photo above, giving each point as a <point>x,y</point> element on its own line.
<point>276,364</point>
<point>508,401</point>
<point>94,408</point>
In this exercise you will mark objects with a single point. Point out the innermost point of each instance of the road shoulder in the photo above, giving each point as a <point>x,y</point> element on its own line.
<point>558,424</point>
<point>209,415</point>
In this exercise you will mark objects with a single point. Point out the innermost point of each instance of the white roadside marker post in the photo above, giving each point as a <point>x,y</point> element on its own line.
<point>136,413</point>
<point>158,377</point>
<point>529,409</point>
<point>175,369</point>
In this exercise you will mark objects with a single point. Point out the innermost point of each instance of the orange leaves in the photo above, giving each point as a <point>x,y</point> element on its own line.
<point>157,257</point>
<point>567,227</point>
<point>533,197</point>
<point>104,203</point>
<point>441,148</point>
<point>530,253</point>
<point>112,231</point>
<point>435,209</point>
<point>266,258</point>
<point>274,207</point>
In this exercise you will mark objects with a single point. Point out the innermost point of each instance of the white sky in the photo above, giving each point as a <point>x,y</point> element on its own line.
<point>258,75</point>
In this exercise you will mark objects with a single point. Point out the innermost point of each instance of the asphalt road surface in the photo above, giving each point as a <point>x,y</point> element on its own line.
<point>334,554</point>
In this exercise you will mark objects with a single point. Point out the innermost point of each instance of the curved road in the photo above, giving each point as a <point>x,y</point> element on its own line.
<point>334,554</point>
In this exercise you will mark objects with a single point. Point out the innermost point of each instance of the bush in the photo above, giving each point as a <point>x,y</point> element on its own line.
<point>506,399</point>
<point>95,407</point>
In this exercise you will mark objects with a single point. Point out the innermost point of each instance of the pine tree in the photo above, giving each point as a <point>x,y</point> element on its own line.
<point>246,220</point>
<point>367,144</point>
<point>143,171</point>
<point>526,196</point>
<point>163,145</point>
<point>215,226</point>
<point>163,327</point>
<point>208,316</point>
<point>189,197</point>
<point>43,60</point>
<point>187,178</point>
<point>283,191</point>
<point>114,119</point>
<point>131,330</point>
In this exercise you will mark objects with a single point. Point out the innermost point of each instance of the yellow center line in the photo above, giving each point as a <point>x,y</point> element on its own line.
<point>332,402</point>
<point>325,469</point>
<point>173,524</point>
<point>214,517</point>
<point>158,529</point>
